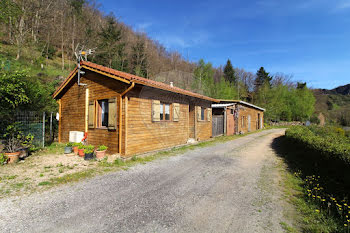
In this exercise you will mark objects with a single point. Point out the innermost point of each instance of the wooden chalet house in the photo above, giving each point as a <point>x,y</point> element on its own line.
<point>130,114</point>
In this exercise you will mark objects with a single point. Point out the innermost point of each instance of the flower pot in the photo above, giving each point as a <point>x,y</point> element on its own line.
<point>81,152</point>
<point>13,157</point>
<point>100,154</point>
<point>75,150</point>
<point>68,150</point>
<point>89,156</point>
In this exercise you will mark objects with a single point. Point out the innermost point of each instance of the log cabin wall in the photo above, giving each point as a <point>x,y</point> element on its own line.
<point>246,112</point>
<point>203,128</point>
<point>73,109</point>
<point>144,135</point>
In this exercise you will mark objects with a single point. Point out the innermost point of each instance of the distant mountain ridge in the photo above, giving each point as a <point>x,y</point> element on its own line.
<point>342,90</point>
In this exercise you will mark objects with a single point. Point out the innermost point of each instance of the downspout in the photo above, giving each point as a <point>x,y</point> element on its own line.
<point>120,115</point>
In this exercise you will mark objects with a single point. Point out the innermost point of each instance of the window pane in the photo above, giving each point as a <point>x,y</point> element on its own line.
<point>167,112</point>
<point>104,113</point>
<point>161,112</point>
<point>202,114</point>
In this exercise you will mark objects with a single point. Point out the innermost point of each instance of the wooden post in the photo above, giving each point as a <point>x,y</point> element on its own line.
<point>86,109</point>
<point>120,125</point>
<point>125,125</point>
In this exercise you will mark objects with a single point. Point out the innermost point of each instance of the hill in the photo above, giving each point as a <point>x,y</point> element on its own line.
<point>334,104</point>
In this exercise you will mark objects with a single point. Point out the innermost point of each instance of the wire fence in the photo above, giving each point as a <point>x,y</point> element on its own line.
<point>43,126</point>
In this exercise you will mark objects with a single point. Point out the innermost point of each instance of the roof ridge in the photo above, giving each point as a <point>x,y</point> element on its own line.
<point>145,81</point>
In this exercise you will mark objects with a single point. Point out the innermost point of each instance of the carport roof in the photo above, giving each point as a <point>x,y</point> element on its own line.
<point>221,105</point>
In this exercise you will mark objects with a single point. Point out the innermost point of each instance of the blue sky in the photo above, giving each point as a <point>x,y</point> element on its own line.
<point>309,39</point>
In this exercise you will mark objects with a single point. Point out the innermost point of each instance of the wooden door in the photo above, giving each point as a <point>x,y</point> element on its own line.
<point>218,125</point>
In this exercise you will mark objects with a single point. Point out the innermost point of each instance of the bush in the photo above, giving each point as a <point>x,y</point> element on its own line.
<point>3,159</point>
<point>329,142</point>
<point>81,146</point>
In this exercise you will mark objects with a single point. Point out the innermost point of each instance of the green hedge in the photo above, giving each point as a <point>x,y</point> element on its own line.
<point>329,142</point>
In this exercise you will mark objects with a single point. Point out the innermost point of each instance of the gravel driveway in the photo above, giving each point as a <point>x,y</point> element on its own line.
<point>228,187</point>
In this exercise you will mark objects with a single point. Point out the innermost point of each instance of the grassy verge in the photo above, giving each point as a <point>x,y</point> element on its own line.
<point>312,213</point>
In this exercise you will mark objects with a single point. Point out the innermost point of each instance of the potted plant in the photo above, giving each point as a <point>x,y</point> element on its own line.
<point>81,148</point>
<point>13,143</point>
<point>101,151</point>
<point>68,148</point>
<point>89,152</point>
<point>75,147</point>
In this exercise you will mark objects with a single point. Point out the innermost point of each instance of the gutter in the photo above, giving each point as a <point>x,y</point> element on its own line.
<point>120,115</point>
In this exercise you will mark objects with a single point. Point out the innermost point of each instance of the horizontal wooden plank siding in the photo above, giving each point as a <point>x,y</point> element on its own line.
<point>145,135</point>
<point>247,112</point>
<point>73,109</point>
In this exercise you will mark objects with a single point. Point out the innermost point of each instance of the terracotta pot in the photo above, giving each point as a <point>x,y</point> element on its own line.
<point>75,150</point>
<point>81,152</point>
<point>100,154</point>
<point>13,157</point>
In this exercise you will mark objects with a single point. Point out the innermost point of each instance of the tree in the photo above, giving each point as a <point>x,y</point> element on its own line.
<point>229,73</point>
<point>110,50</point>
<point>262,78</point>
<point>139,58</point>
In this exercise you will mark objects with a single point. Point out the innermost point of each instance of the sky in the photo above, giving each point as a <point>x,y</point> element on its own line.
<point>309,39</point>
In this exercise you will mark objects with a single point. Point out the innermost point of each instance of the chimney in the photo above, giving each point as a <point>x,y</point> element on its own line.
<point>171,84</point>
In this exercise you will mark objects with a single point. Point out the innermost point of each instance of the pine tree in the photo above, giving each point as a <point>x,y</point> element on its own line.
<point>229,73</point>
<point>262,78</point>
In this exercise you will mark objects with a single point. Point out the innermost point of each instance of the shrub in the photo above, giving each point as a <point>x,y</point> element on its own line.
<point>3,159</point>
<point>69,144</point>
<point>102,148</point>
<point>81,146</point>
<point>329,142</point>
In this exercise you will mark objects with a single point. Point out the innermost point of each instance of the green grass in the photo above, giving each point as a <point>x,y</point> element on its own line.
<point>306,217</point>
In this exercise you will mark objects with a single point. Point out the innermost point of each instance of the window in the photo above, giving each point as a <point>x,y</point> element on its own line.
<point>164,112</point>
<point>242,121</point>
<point>202,114</point>
<point>232,111</point>
<point>102,117</point>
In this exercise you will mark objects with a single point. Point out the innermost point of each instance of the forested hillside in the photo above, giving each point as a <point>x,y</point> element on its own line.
<point>334,104</point>
<point>39,39</point>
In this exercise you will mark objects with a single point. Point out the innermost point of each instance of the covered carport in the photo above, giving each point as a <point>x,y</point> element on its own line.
<point>223,119</point>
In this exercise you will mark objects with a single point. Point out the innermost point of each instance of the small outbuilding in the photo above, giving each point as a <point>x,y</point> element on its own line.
<point>236,117</point>
<point>130,114</point>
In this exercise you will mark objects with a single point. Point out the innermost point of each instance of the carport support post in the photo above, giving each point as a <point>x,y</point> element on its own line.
<point>225,115</point>
<point>43,129</point>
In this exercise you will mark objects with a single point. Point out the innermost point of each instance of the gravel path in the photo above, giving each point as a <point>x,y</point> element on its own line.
<point>228,187</point>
